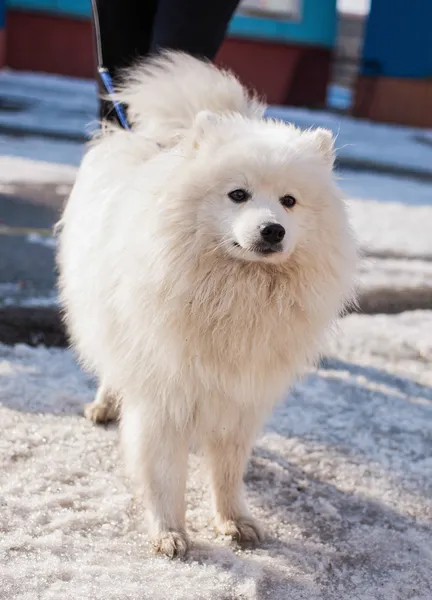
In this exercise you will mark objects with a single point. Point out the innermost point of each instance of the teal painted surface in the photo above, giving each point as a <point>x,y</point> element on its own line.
<point>317,25</point>
<point>2,13</point>
<point>48,5</point>
<point>81,8</point>
<point>78,8</point>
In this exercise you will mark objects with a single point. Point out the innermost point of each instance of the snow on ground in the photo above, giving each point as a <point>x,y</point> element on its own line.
<point>395,239</point>
<point>383,188</point>
<point>401,345</point>
<point>392,285</point>
<point>35,172</point>
<point>340,478</point>
<point>38,148</point>
<point>48,104</point>
<point>41,106</point>
<point>360,140</point>
<point>392,229</point>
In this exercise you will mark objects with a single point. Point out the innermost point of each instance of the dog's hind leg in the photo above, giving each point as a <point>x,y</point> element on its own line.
<point>156,455</point>
<point>104,408</point>
<point>227,457</point>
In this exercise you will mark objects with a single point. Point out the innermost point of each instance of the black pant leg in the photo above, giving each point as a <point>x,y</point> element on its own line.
<point>197,27</point>
<point>132,28</point>
<point>126,28</point>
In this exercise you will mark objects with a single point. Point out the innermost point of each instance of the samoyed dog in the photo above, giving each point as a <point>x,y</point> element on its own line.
<point>204,256</point>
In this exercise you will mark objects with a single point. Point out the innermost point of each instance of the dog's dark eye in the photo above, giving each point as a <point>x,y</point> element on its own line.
<point>239,196</point>
<point>288,201</point>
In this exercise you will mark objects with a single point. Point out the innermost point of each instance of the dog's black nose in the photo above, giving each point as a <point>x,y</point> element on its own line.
<point>272,233</point>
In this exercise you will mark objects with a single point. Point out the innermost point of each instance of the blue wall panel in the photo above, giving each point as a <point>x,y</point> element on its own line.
<point>398,41</point>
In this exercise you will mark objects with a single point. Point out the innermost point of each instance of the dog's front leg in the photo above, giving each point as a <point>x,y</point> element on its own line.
<point>227,456</point>
<point>156,454</point>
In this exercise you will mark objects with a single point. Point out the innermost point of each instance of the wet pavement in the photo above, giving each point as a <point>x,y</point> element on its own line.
<point>27,266</point>
<point>28,306</point>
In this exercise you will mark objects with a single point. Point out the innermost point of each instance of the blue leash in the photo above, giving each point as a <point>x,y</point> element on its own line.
<point>108,83</point>
<point>104,73</point>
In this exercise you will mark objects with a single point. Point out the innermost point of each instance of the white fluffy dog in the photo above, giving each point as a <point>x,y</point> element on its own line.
<point>204,255</point>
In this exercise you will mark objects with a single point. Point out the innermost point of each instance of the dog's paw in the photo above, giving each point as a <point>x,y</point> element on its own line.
<point>244,530</point>
<point>173,544</point>
<point>99,412</point>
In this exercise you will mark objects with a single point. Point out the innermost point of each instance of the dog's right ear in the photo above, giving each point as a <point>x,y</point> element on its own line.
<point>204,121</point>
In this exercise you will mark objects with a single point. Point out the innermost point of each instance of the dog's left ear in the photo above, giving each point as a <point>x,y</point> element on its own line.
<point>204,121</point>
<point>324,141</point>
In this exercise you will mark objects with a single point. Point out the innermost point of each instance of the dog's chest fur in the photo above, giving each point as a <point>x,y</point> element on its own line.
<point>241,321</point>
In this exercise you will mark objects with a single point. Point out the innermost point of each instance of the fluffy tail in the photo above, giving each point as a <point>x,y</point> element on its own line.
<point>164,94</point>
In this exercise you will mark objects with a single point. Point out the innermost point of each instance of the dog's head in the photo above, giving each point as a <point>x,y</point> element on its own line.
<point>264,188</point>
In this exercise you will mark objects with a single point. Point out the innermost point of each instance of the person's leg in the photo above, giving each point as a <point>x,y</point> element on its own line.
<point>125,31</point>
<point>193,26</point>
<point>132,28</point>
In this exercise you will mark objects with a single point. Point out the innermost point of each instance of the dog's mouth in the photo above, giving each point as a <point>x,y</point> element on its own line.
<point>262,249</point>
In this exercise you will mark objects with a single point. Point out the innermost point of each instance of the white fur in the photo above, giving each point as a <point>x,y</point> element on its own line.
<point>198,336</point>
